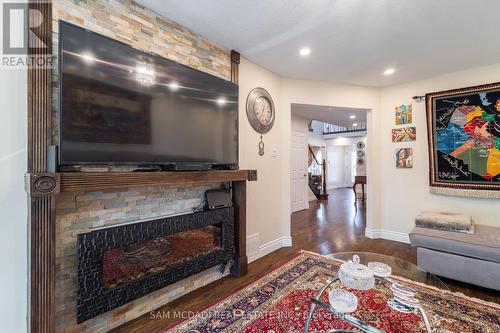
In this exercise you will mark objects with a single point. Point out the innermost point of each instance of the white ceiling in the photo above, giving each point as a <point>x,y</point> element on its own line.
<point>352,41</point>
<point>330,114</point>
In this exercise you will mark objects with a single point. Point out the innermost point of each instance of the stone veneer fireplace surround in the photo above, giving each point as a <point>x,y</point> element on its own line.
<point>93,298</point>
<point>111,194</point>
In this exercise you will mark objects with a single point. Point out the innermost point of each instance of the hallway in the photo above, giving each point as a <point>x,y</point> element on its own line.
<point>337,226</point>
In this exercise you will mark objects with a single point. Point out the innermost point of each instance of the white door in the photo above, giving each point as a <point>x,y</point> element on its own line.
<point>299,187</point>
<point>350,165</point>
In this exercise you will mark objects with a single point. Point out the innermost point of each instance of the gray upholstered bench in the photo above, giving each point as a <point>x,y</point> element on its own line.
<point>472,258</point>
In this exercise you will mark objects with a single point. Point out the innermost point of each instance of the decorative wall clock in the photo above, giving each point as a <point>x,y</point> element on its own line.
<point>260,113</point>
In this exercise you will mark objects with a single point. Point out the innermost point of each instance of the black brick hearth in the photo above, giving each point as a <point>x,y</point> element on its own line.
<point>93,298</point>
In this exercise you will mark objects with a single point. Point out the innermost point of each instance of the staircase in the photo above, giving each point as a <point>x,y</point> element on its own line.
<point>317,177</point>
<point>315,184</point>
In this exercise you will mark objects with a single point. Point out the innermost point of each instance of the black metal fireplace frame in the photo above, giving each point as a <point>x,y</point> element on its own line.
<point>93,299</point>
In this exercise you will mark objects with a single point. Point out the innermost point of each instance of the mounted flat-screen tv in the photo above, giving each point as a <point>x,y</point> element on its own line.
<point>119,105</point>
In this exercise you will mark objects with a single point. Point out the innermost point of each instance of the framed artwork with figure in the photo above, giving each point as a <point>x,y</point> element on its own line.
<point>404,158</point>
<point>405,134</point>
<point>404,114</point>
<point>464,141</point>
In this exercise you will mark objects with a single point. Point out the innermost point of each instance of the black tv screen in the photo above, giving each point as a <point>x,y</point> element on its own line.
<point>120,105</point>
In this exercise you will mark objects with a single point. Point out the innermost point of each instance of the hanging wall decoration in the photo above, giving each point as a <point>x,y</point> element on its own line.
<point>404,114</point>
<point>360,153</point>
<point>405,134</point>
<point>464,141</point>
<point>260,113</point>
<point>404,158</point>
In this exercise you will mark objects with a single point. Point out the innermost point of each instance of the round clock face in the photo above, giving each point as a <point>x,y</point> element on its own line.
<point>260,110</point>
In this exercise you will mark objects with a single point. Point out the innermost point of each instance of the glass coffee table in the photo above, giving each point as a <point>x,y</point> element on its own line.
<point>399,268</point>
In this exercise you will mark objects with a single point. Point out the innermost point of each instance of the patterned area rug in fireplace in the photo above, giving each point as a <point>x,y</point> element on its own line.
<point>279,303</point>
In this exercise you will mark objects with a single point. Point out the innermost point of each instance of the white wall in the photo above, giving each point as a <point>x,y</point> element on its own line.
<point>346,141</point>
<point>405,192</point>
<point>336,166</point>
<point>13,202</point>
<point>316,137</point>
<point>299,124</point>
<point>265,197</point>
<point>316,140</point>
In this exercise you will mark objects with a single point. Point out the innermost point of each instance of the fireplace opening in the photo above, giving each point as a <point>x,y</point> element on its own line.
<point>119,264</point>
<point>135,261</point>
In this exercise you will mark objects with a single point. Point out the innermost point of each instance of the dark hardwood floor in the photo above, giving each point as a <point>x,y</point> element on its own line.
<point>326,227</point>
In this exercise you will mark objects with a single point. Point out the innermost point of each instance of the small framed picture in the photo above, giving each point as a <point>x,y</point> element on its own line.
<point>404,114</point>
<point>404,158</point>
<point>405,134</point>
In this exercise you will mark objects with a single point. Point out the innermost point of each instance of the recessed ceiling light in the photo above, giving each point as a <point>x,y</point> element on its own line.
<point>355,124</point>
<point>305,51</point>
<point>389,71</point>
<point>353,117</point>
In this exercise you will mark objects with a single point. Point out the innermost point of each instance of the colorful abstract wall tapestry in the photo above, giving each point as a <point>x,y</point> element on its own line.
<point>405,134</point>
<point>404,114</point>
<point>464,141</point>
<point>404,158</point>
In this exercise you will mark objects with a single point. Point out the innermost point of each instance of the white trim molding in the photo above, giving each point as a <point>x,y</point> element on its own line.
<point>387,234</point>
<point>267,248</point>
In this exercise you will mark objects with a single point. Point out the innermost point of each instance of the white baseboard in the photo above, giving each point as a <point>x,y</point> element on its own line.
<point>387,234</point>
<point>256,253</point>
<point>253,242</point>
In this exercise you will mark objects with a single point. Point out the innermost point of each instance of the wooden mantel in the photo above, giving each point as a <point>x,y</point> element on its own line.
<point>95,181</point>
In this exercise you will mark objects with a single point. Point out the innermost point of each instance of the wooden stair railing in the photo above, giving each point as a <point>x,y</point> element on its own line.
<point>317,183</point>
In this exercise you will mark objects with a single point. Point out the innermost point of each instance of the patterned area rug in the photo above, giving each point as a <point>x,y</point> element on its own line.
<point>279,302</point>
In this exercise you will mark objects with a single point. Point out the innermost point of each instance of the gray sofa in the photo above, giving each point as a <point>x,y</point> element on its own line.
<point>472,258</point>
